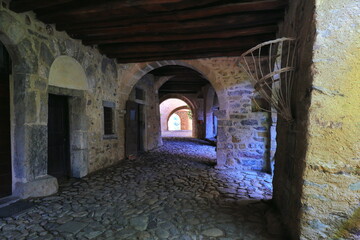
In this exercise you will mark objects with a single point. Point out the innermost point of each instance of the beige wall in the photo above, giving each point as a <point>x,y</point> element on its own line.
<point>316,183</point>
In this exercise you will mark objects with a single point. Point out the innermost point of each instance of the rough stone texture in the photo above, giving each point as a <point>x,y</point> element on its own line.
<point>292,139</point>
<point>242,146</point>
<point>152,135</point>
<point>33,51</point>
<point>37,188</point>
<point>333,156</point>
<point>244,139</point>
<point>317,160</point>
<point>170,193</point>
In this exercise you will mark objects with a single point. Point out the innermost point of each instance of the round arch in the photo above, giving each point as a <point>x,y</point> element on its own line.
<point>133,74</point>
<point>175,110</point>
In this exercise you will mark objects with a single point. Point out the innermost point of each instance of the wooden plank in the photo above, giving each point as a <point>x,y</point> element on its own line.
<point>110,20</point>
<point>87,9</point>
<point>178,37</point>
<point>203,25</point>
<point>182,56</point>
<point>183,46</point>
<point>27,5</point>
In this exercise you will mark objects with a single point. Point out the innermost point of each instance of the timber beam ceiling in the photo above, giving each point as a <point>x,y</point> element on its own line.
<point>150,30</point>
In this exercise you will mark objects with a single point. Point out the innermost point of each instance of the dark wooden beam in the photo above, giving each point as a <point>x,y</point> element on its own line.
<point>109,20</point>
<point>132,49</point>
<point>72,5</point>
<point>78,10</point>
<point>202,25</point>
<point>178,37</point>
<point>185,56</point>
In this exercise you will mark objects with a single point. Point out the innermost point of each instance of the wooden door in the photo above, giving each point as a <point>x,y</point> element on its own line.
<point>141,128</point>
<point>58,137</point>
<point>5,139</point>
<point>131,128</point>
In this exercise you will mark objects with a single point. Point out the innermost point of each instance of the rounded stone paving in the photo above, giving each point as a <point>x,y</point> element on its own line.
<point>173,192</point>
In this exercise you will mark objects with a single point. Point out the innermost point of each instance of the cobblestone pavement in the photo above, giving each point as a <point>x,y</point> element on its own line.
<point>173,192</point>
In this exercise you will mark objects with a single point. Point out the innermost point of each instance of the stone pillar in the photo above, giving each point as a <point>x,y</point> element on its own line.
<point>78,137</point>
<point>31,138</point>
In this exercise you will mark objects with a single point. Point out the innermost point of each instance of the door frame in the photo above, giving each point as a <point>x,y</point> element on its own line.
<point>78,127</point>
<point>9,114</point>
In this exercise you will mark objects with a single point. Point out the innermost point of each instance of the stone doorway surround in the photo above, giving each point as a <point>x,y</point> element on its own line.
<point>78,130</point>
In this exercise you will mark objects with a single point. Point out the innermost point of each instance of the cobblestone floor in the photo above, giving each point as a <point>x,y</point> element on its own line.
<point>171,193</point>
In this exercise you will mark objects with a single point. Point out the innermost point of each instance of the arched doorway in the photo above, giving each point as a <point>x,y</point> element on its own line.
<point>5,132</point>
<point>174,122</point>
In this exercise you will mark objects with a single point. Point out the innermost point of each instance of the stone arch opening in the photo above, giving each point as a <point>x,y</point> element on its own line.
<point>168,108</point>
<point>174,122</point>
<point>137,72</point>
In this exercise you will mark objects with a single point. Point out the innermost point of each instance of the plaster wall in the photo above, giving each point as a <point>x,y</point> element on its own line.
<point>316,184</point>
<point>185,120</point>
<point>331,193</point>
<point>166,107</point>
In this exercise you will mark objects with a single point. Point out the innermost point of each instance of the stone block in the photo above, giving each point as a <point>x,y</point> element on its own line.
<point>79,163</point>
<point>224,123</point>
<point>72,227</point>
<point>36,141</point>
<point>45,55</point>
<point>40,187</point>
<point>249,122</point>
<point>31,107</point>
<point>220,114</point>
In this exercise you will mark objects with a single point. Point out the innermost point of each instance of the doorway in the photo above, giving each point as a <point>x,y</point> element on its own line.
<point>135,128</point>
<point>58,137</point>
<point>5,130</point>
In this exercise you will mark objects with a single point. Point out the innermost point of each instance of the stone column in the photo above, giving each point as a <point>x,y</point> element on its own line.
<point>30,138</point>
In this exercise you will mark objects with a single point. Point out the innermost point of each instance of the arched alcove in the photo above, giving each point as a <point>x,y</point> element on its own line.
<point>66,72</point>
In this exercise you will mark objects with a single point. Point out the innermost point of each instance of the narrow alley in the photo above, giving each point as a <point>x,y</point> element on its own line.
<point>173,192</point>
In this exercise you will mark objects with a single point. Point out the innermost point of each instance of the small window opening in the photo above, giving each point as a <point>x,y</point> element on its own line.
<point>108,121</point>
<point>139,94</point>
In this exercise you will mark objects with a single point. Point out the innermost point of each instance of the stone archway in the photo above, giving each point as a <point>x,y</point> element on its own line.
<point>192,106</point>
<point>28,128</point>
<point>183,113</point>
<point>133,74</point>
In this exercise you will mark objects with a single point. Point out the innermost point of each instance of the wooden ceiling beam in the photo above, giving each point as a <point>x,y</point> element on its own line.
<point>82,9</point>
<point>88,5</point>
<point>178,37</point>
<point>173,56</point>
<point>109,20</point>
<point>183,46</point>
<point>196,26</point>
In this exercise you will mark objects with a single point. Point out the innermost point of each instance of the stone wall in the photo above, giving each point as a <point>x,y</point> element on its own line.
<point>33,47</point>
<point>243,135</point>
<point>292,138</point>
<point>331,194</point>
<point>316,184</point>
<point>152,134</point>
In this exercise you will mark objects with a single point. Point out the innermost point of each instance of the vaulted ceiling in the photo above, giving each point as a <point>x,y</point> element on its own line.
<point>182,80</point>
<point>148,30</point>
